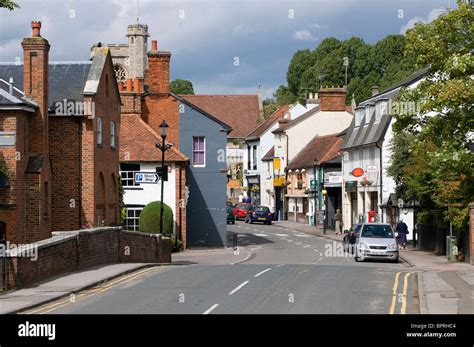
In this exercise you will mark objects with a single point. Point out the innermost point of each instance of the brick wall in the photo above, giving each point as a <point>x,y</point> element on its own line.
<point>333,99</point>
<point>181,202</point>
<point>75,250</point>
<point>65,161</point>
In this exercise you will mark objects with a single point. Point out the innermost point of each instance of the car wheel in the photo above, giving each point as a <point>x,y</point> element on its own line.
<point>270,223</point>
<point>233,222</point>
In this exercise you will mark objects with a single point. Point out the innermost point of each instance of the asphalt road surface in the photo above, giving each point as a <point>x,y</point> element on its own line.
<point>273,271</point>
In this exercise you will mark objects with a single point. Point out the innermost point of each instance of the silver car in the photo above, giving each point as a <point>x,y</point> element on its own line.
<point>376,241</point>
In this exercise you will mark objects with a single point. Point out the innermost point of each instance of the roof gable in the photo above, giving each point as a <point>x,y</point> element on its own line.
<point>268,123</point>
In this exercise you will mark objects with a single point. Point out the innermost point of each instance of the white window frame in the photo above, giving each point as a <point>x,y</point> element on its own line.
<point>200,165</point>
<point>136,217</point>
<point>99,130</point>
<point>112,134</point>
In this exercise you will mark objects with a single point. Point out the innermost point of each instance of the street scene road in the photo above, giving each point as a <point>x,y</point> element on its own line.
<point>273,270</point>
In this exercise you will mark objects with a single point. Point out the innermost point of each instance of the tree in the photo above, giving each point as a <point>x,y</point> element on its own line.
<point>9,4</point>
<point>269,107</point>
<point>179,86</point>
<point>441,130</point>
<point>381,64</point>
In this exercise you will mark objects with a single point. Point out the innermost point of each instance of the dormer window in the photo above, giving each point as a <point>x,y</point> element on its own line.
<point>359,115</point>
<point>381,109</point>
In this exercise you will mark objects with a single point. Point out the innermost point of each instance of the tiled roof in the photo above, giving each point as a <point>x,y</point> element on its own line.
<point>241,112</point>
<point>320,150</point>
<point>138,142</point>
<point>270,154</point>
<point>374,131</point>
<point>260,130</point>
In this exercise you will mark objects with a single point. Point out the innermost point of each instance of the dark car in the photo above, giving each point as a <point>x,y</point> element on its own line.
<point>259,214</point>
<point>350,237</point>
<point>230,215</point>
<point>240,210</point>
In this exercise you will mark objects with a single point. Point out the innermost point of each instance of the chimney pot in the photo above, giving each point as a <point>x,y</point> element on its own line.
<point>129,85</point>
<point>10,87</point>
<point>375,90</point>
<point>154,45</point>
<point>36,28</point>
<point>136,85</point>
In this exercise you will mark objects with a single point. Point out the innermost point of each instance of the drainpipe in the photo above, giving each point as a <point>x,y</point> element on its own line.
<point>287,150</point>
<point>379,146</point>
<point>180,197</point>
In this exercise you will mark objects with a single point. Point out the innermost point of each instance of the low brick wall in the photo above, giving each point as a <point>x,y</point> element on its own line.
<point>76,250</point>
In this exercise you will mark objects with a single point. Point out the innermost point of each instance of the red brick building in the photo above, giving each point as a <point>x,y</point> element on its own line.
<point>59,141</point>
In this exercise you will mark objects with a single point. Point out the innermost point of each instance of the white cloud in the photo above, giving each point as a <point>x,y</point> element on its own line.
<point>303,35</point>
<point>434,13</point>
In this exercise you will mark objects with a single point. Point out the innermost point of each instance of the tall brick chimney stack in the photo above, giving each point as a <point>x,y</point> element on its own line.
<point>332,98</point>
<point>157,76</point>
<point>35,85</point>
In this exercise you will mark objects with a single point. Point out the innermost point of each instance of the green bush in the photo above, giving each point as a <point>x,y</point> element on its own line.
<point>173,243</point>
<point>150,218</point>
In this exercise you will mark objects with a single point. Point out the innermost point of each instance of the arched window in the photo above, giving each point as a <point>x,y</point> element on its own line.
<point>120,74</point>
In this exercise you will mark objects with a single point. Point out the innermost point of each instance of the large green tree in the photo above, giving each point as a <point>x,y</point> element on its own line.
<point>438,166</point>
<point>382,64</point>
<point>179,86</point>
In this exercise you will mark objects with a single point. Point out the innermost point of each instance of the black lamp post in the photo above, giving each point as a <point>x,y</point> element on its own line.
<point>163,148</point>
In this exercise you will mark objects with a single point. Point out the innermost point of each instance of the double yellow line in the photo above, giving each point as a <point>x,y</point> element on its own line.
<point>88,293</point>
<point>403,295</point>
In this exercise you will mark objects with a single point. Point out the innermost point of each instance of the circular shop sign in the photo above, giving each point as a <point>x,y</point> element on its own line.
<point>357,172</point>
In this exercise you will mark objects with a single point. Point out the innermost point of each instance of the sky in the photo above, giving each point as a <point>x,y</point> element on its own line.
<point>222,46</point>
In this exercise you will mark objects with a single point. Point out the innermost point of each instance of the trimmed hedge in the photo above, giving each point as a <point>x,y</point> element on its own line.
<point>150,218</point>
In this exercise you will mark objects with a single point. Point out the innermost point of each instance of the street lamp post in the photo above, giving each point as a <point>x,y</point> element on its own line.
<point>163,148</point>
<point>325,199</point>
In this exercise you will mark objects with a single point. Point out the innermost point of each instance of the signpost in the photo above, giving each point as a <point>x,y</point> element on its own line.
<point>146,177</point>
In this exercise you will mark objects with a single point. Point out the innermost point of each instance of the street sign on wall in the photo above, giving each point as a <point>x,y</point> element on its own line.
<point>357,172</point>
<point>146,177</point>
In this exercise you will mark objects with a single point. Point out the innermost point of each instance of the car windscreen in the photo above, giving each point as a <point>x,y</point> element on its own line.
<point>377,231</point>
<point>262,209</point>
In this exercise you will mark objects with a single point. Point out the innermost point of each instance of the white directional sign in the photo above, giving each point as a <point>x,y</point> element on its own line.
<point>146,177</point>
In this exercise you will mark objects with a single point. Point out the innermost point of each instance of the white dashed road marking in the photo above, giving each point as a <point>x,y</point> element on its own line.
<point>240,286</point>
<point>211,309</point>
<point>262,272</point>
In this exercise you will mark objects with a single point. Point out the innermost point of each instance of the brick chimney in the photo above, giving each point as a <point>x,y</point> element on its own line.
<point>157,76</point>
<point>35,85</point>
<point>332,98</point>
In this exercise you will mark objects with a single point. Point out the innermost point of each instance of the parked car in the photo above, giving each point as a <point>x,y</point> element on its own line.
<point>259,214</point>
<point>229,203</point>
<point>350,237</point>
<point>240,210</point>
<point>376,241</point>
<point>230,215</point>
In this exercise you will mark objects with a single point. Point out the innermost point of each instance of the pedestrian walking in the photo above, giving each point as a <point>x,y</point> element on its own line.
<point>402,230</point>
<point>338,220</point>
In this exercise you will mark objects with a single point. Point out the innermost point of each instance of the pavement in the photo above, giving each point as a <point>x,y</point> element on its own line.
<point>283,268</point>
